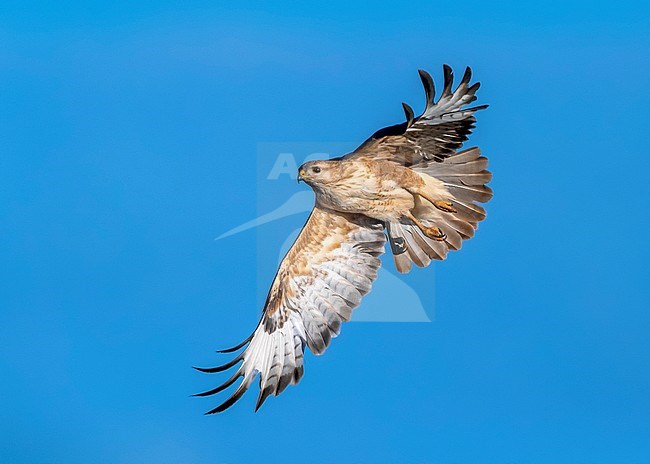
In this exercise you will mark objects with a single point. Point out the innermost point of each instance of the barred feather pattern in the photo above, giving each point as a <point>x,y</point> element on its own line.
<point>323,277</point>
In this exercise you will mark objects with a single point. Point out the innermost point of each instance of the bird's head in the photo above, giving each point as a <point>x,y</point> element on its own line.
<point>316,173</point>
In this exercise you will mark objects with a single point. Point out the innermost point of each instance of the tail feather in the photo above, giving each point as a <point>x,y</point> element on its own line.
<point>475,165</point>
<point>413,246</point>
<point>416,253</point>
<point>399,247</point>
<point>468,211</point>
<point>464,228</point>
<point>433,248</point>
<point>469,193</point>
<point>464,156</point>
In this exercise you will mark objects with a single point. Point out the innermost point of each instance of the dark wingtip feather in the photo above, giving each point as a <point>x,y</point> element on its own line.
<point>201,369</point>
<point>235,348</point>
<point>264,394</point>
<point>298,373</point>
<point>223,367</point>
<point>284,382</point>
<point>221,387</point>
<point>467,76</point>
<point>429,87</point>
<point>408,112</point>
<point>230,401</point>
<point>448,79</point>
<point>474,87</point>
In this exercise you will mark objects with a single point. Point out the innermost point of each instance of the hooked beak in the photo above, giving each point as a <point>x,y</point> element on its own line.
<point>301,173</point>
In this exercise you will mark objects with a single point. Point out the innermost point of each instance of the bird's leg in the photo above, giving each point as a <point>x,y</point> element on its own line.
<point>434,233</point>
<point>442,205</point>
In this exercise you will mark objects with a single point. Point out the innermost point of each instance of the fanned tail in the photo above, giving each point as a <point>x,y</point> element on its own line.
<point>464,176</point>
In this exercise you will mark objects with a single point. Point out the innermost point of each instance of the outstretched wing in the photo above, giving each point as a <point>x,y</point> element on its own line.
<point>434,135</point>
<point>331,265</point>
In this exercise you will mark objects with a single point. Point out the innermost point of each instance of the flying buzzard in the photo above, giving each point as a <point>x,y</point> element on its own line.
<point>408,185</point>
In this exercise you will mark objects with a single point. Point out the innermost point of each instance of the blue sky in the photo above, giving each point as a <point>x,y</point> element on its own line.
<point>129,140</point>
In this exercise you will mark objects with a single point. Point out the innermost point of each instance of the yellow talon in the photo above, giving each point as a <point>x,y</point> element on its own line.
<point>435,233</point>
<point>446,206</point>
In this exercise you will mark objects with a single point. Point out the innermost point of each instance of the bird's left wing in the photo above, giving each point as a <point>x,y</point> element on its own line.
<point>331,265</point>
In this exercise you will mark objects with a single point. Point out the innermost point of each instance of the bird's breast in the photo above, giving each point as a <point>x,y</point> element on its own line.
<point>381,199</point>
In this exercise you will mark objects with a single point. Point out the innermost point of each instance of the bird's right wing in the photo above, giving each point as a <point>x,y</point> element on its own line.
<point>331,265</point>
<point>434,135</point>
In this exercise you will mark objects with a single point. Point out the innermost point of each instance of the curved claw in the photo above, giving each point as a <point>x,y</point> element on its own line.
<point>446,206</point>
<point>435,233</point>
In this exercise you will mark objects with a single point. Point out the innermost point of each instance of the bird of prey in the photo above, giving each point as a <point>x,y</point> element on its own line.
<point>407,184</point>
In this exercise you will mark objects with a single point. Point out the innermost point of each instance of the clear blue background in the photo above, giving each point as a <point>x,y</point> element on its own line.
<point>128,136</point>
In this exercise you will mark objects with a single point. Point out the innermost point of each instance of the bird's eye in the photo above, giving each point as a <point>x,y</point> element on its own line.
<point>315,169</point>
